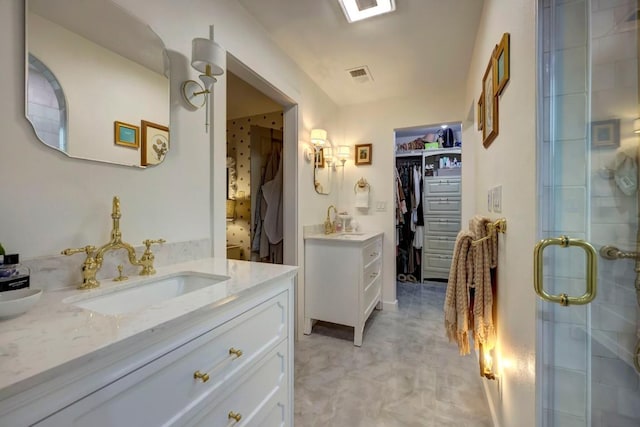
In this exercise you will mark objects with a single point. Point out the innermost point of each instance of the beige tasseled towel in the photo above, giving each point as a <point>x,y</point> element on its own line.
<point>484,259</point>
<point>456,303</point>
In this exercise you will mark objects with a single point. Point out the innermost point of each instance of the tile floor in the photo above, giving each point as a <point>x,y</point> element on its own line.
<point>405,374</point>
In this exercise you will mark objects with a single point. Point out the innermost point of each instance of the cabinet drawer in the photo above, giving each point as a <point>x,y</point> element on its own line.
<point>442,206</point>
<point>168,385</point>
<point>371,251</point>
<point>441,262</point>
<point>372,290</point>
<point>441,225</point>
<point>260,398</point>
<point>441,187</point>
<point>439,243</point>
<point>371,271</point>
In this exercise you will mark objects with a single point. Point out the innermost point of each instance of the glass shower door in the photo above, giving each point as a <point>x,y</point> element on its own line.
<point>588,373</point>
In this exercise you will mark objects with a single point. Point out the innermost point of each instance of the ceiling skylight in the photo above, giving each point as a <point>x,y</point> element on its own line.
<point>357,10</point>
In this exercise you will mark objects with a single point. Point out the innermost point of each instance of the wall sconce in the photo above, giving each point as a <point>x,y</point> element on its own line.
<point>318,137</point>
<point>636,126</point>
<point>208,58</point>
<point>486,364</point>
<point>344,153</point>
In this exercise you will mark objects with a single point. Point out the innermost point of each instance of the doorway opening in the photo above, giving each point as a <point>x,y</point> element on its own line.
<point>266,126</point>
<point>427,190</point>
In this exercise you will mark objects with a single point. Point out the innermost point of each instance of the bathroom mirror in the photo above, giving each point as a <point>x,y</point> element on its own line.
<point>97,82</point>
<point>322,172</point>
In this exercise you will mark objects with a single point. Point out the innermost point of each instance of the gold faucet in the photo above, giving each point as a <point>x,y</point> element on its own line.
<point>93,263</point>
<point>330,226</point>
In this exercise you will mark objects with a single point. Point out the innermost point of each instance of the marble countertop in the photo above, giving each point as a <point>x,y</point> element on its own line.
<point>358,237</point>
<point>55,332</point>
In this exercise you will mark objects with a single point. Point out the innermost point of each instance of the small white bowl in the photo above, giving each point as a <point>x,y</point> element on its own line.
<point>13,303</point>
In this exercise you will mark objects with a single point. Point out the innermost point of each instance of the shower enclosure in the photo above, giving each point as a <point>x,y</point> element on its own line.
<point>588,188</point>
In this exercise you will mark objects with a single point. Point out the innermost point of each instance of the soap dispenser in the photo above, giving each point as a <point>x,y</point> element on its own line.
<point>13,275</point>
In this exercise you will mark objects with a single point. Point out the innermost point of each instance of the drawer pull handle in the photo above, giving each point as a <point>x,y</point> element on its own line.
<point>204,377</point>
<point>200,376</point>
<point>237,353</point>
<point>373,254</point>
<point>373,275</point>
<point>235,416</point>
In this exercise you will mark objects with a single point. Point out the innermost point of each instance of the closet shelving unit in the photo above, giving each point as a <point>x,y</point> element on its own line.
<point>441,206</point>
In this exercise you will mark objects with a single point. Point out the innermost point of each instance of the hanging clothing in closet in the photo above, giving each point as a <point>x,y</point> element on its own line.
<point>409,220</point>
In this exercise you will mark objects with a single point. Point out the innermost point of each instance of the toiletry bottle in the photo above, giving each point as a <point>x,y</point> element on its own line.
<point>13,275</point>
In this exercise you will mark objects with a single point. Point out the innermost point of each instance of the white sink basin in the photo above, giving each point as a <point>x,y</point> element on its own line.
<point>148,293</point>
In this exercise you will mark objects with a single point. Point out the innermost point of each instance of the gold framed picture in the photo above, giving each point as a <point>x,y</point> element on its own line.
<point>363,154</point>
<point>490,105</point>
<point>501,64</point>
<point>126,135</point>
<point>481,111</point>
<point>155,143</point>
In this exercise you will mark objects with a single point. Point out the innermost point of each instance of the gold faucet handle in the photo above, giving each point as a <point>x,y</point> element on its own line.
<point>150,242</point>
<point>87,249</point>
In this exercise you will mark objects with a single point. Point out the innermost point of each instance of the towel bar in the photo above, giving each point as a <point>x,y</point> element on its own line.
<point>499,226</point>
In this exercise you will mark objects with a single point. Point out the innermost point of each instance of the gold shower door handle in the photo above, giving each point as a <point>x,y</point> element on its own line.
<point>592,271</point>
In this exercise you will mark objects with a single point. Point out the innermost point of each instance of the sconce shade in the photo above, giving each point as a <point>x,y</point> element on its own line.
<point>207,52</point>
<point>344,152</point>
<point>318,136</point>
<point>636,126</point>
<point>327,153</point>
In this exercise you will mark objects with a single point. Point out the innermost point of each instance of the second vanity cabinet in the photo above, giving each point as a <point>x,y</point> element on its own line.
<point>343,280</point>
<point>232,367</point>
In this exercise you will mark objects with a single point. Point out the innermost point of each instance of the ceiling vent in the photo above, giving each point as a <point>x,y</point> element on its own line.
<point>360,74</point>
<point>366,4</point>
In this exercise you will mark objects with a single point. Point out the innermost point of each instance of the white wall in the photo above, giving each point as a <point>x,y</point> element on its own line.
<point>375,123</point>
<point>509,161</point>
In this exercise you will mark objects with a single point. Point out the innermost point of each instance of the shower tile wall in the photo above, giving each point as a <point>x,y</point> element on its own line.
<point>614,85</point>
<point>239,147</point>
<point>572,176</point>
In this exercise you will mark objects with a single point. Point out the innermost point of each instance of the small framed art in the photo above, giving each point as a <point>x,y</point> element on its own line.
<point>126,135</point>
<point>155,143</point>
<point>363,154</point>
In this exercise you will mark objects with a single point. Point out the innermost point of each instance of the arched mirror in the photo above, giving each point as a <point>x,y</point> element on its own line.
<point>97,82</point>
<point>322,172</point>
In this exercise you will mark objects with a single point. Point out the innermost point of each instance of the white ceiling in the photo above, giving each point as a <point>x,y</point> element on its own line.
<point>423,45</point>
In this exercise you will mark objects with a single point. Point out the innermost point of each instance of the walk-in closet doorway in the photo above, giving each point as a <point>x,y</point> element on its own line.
<point>427,186</point>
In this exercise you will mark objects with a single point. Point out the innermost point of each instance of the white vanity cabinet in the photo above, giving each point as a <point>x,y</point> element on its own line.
<point>343,280</point>
<point>236,363</point>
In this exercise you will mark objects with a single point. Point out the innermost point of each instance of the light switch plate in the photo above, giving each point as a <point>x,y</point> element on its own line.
<point>490,199</point>
<point>381,206</point>
<point>497,199</point>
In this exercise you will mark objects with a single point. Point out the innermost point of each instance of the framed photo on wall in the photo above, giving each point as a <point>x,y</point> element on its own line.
<point>363,154</point>
<point>490,103</point>
<point>481,111</point>
<point>126,135</point>
<point>155,143</point>
<point>501,64</point>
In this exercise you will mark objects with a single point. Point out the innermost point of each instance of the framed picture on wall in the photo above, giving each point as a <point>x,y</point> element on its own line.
<point>501,64</point>
<point>481,111</point>
<point>155,143</point>
<point>363,154</point>
<point>605,133</point>
<point>126,135</point>
<point>490,105</point>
